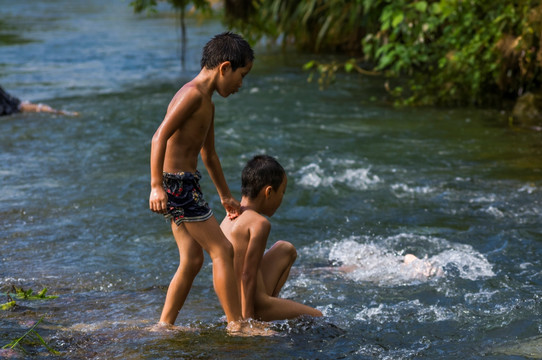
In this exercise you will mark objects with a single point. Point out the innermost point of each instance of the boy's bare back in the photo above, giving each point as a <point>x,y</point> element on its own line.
<point>248,235</point>
<point>250,229</point>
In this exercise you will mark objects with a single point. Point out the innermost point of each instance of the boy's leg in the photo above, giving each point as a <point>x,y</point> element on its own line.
<point>209,235</point>
<point>275,266</point>
<point>269,308</point>
<point>191,260</point>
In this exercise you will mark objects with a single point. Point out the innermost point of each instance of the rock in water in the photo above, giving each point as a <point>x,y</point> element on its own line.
<point>528,109</point>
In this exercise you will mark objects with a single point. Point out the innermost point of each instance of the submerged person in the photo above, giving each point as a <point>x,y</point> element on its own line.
<point>261,276</point>
<point>186,131</point>
<point>11,105</point>
<point>411,266</point>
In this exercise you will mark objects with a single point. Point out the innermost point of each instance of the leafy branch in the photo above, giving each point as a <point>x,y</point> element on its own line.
<point>29,336</point>
<point>8,305</point>
<point>327,71</point>
<point>20,293</point>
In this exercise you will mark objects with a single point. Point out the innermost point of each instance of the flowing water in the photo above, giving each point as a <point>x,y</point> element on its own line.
<point>368,183</point>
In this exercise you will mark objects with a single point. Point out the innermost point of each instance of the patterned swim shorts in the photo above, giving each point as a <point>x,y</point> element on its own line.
<point>185,199</point>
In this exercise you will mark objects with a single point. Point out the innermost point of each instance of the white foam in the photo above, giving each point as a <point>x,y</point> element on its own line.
<point>529,188</point>
<point>484,199</point>
<point>471,264</point>
<point>381,260</point>
<point>401,190</point>
<point>374,263</point>
<point>384,313</point>
<point>492,210</point>
<point>313,175</point>
<point>483,296</point>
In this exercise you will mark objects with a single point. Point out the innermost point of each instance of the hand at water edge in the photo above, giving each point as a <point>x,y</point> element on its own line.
<point>249,327</point>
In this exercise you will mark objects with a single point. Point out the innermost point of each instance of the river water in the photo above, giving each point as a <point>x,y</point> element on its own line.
<point>368,183</point>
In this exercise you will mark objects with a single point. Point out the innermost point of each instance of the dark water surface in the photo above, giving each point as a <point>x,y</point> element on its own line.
<point>368,183</point>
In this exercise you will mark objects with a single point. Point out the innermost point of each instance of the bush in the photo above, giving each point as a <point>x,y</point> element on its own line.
<point>450,51</point>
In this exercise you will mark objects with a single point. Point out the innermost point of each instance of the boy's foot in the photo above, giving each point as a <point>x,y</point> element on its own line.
<point>249,328</point>
<point>165,327</point>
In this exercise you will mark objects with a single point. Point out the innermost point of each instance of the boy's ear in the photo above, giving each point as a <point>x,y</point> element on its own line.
<point>267,191</point>
<point>223,67</point>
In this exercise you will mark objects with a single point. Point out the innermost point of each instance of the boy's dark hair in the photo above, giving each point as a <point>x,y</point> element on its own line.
<point>226,47</point>
<point>260,171</point>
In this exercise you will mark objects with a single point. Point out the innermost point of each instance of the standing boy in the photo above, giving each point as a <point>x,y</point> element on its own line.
<point>186,131</point>
<point>261,277</point>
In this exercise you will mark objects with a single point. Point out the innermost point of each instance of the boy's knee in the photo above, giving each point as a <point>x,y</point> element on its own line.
<point>193,262</point>
<point>288,248</point>
<point>222,252</point>
<point>227,250</point>
<point>197,261</point>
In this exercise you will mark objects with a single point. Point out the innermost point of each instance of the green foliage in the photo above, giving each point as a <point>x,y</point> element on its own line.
<point>450,51</point>
<point>144,5</point>
<point>20,293</point>
<point>455,51</point>
<point>7,305</point>
<point>314,25</point>
<point>30,337</point>
<point>326,71</point>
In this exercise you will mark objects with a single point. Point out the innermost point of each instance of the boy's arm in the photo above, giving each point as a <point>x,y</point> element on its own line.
<point>175,115</point>
<point>214,168</point>
<point>258,233</point>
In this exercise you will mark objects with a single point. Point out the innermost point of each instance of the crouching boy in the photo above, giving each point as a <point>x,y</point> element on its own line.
<point>260,276</point>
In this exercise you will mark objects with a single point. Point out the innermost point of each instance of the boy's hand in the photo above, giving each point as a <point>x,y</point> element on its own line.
<point>158,200</point>
<point>232,206</point>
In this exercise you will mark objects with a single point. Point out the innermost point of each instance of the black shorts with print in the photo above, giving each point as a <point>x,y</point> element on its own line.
<point>185,199</point>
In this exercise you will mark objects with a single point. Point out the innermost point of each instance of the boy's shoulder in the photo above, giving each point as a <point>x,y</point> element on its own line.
<point>191,92</point>
<point>251,220</point>
<point>191,88</point>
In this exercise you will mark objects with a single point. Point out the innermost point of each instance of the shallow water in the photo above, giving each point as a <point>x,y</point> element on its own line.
<point>368,183</point>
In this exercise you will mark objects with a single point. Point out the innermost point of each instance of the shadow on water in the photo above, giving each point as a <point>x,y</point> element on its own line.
<point>368,184</point>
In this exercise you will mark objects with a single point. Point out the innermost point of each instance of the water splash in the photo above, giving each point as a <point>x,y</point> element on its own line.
<point>381,260</point>
<point>470,264</point>
<point>313,176</point>
<point>403,190</point>
<point>385,313</point>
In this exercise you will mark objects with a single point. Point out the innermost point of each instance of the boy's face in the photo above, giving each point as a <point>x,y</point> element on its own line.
<point>231,81</point>
<point>276,198</point>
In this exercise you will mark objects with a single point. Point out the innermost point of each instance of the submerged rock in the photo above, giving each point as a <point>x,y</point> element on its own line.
<point>528,110</point>
<point>529,348</point>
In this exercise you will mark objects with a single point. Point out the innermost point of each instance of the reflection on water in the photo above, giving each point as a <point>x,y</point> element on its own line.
<point>368,184</point>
